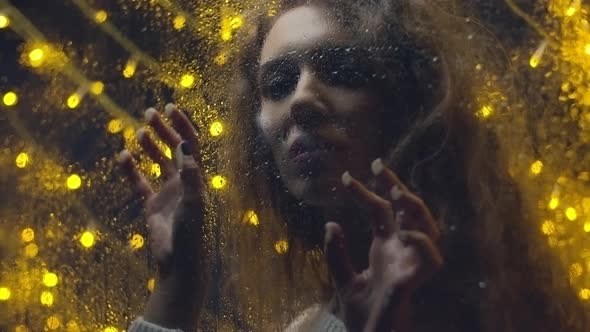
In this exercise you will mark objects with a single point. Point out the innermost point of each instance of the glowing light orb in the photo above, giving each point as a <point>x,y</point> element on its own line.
<point>129,69</point>
<point>187,81</point>
<point>485,112</point>
<point>136,241</point>
<point>100,16</point>
<point>21,328</point>
<point>570,11</point>
<point>168,152</point>
<point>155,170</point>
<point>115,126</point>
<point>179,22</point>
<point>554,203</point>
<point>151,284</point>
<point>87,239</point>
<point>36,57</point>
<point>216,129</point>
<point>50,279</point>
<point>548,227</point>
<point>10,98</point>
<point>27,235</point>
<point>587,49</point>
<point>281,247</point>
<point>226,35</point>
<point>236,22</point>
<point>110,329</point>
<point>4,21</point>
<point>587,227</point>
<point>74,182</point>
<point>52,323</point>
<point>584,293</point>
<point>4,293</point>
<point>22,159</point>
<point>571,213</point>
<point>537,167</point>
<point>97,87</point>
<point>251,218</point>
<point>72,326</point>
<point>538,55</point>
<point>73,101</point>
<point>218,182</point>
<point>47,298</point>
<point>31,250</point>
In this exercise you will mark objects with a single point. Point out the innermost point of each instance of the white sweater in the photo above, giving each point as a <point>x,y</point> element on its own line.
<point>314,319</point>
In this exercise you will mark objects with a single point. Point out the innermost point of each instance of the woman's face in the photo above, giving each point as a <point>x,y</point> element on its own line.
<point>318,113</point>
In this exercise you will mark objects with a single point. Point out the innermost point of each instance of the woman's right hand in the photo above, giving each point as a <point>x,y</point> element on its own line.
<point>175,219</point>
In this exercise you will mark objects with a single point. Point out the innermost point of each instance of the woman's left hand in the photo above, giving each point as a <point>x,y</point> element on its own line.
<point>402,256</point>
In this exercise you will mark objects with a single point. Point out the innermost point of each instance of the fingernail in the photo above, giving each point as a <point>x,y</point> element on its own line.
<point>185,148</point>
<point>169,108</point>
<point>396,193</point>
<point>149,114</point>
<point>346,179</point>
<point>377,166</point>
<point>140,133</point>
<point>124,155</point>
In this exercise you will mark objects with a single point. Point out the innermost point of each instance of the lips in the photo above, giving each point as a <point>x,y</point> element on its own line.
<point>306,146</point>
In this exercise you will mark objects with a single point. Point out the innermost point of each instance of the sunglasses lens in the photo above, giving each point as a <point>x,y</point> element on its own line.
<point>280,80</point>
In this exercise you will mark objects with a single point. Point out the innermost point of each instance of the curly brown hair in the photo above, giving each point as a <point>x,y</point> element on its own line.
<point>499,274</point>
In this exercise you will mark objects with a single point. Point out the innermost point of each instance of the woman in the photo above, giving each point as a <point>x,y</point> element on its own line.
<point>354,132</point>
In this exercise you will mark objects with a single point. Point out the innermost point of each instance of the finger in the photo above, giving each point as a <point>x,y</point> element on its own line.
<point>137,179</point>
<point>155,153</point>
<point>383,223</point>
<point>162,129</point>
<point>337,256</point>
<point>185,128</point>
<point>413,214</point>
<point>404,200</point>
<point>431,258</point>
<point>191,177</point>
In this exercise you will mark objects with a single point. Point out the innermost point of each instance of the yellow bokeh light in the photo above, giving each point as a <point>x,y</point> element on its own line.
<point>187,81</point>
<point>130,68</point>
<point>53,323</point>
<point>129,133</point>
<point>74,182</point>
<point>10,98</point>
<point>4,293</point>
<point>100,16</point>
<point>110,329</point>
<point>151,284</point>
<point>554,203</point>
<point>226,34</point>
<point>50,279</point>
<point>136,241</point>
<point>72,326</point>
<point>218,182</point>
<point>31,250</point>
<point>216,128</point>
<point>87,239</point>
<point>570,11</point>
<point>485,112</point>
<point>236,22</point>
<point>47,298</point>
<point>168,152</point>
<point>548,227</point>
<point>179,22</point>
<point>21,328</point>
<point>538,55</point>
<point>27,235</point>
<point>571,213</point>
<point>22,159</point>
<point>251,218</point>
<point>4,21</point>
<point>36,57</point>
<point>155,170</point>
<point>584,293</point>
<point>281,247</point>
<point>73,101</point>
<point>97,87</point>
<point>115,126</point>
<point>537,167</point>
<point>587,49</point>
<point>587,227</point>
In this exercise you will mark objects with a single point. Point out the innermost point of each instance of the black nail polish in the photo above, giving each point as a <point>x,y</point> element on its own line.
<point>185,148</point>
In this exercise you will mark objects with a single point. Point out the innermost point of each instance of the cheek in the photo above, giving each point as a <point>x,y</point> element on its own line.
<point>270,121</point>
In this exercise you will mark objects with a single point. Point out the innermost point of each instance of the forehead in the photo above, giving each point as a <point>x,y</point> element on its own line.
<point>298,29</point>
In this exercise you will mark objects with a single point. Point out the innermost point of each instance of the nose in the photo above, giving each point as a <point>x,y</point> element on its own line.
<point>308,109</point>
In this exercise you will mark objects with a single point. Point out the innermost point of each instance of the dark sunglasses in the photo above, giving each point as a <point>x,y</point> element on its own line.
<point>349,67</point>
